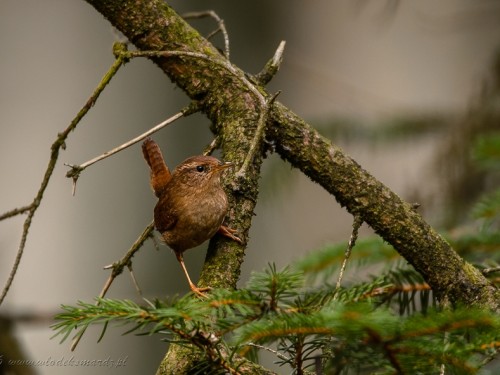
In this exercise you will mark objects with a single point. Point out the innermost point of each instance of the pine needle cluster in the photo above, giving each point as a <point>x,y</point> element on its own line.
<point>356,329</point>
<point>389,323</point>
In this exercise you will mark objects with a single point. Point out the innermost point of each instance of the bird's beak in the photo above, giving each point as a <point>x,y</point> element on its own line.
<point>225,165</point>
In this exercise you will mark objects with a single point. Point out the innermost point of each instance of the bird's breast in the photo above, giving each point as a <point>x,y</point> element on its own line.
<point>195,218</point>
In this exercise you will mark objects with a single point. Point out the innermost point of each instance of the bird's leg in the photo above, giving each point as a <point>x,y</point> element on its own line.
<point>229,232</point>
<point>194,288</point>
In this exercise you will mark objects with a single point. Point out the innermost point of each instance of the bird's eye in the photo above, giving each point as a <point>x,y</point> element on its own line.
<point>200,168</point>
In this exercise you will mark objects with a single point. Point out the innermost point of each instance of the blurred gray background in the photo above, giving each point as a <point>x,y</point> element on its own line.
<point>359,62</point>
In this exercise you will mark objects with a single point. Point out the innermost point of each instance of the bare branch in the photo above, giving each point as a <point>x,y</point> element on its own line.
<point>55,148</point>
<point>116,269</point>
<point>212,146</point>
<point>118,266</point>
<point>272,66</point>
<point>264,104</point>
<point>259,135</point>
<point>220,22</point>
<point>358,221</point>
<point>134,280</point>
<point>227,102</point>
<point>487,271</point>
<point>16,211</point>
<point>275,352</point>
<point>297,142</point>
<point>75,170</point>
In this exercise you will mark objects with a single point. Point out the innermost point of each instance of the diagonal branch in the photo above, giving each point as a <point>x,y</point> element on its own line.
<point>54,155</point>
<point>234,108</point>
<point>16,211</point>
<point>396,221</point>
<point>225,96</point>
<point>116,270</point>
<point>76,170</point>
<point>352,241</point>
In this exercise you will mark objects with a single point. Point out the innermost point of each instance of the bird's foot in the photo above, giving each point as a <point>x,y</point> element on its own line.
<point>229,232</point>
<point>199,291</point>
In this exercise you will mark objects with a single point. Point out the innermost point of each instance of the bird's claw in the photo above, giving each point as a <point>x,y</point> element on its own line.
<point>229,232</point>
<point>199,291</point>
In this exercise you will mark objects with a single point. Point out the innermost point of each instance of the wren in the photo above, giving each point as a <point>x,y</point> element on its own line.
<point>191,204</point>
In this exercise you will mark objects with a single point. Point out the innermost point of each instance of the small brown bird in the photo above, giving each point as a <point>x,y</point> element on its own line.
<point>191,202</point>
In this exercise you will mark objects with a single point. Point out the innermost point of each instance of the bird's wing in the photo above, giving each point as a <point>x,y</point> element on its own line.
<point>165,216</point>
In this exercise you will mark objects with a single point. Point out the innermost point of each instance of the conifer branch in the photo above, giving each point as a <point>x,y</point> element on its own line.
<point>203,323</point>
<point>234,103</point>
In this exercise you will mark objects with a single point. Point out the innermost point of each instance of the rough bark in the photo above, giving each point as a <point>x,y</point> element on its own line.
<point>396,221</point>
<point>234,107</point>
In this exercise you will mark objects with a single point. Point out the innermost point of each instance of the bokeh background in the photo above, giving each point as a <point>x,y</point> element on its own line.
<point>393,82</point>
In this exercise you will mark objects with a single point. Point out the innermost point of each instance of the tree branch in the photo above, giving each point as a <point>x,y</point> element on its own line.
<point>234,107</point>
<point>76,170</point>
<point>59,143</point>
<point>396,221</point>
<point>116,270</point>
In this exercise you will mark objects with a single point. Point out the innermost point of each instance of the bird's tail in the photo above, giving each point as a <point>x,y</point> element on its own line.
<point>160,174</point>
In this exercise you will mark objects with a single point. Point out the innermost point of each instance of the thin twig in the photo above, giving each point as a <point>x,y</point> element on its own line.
<point>352,241</point>
<point>75,170</point>
<point>122,56</point>
<point>264,104</point>
<point>134,280</point>
<point>487,271</point>
<point>392,290</point>
<point>55,148</point>
<point>116,269</point>
<point>118,266</point>
<point>259,135</point>
<point>16,211</point>
<point>211,147</point>
<point>106,286</point>
<point>272,66</point>
<point>278,354</point>
<point>220,23</point>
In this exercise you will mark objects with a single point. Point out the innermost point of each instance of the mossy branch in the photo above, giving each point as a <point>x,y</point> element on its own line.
<point>234,108</point>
